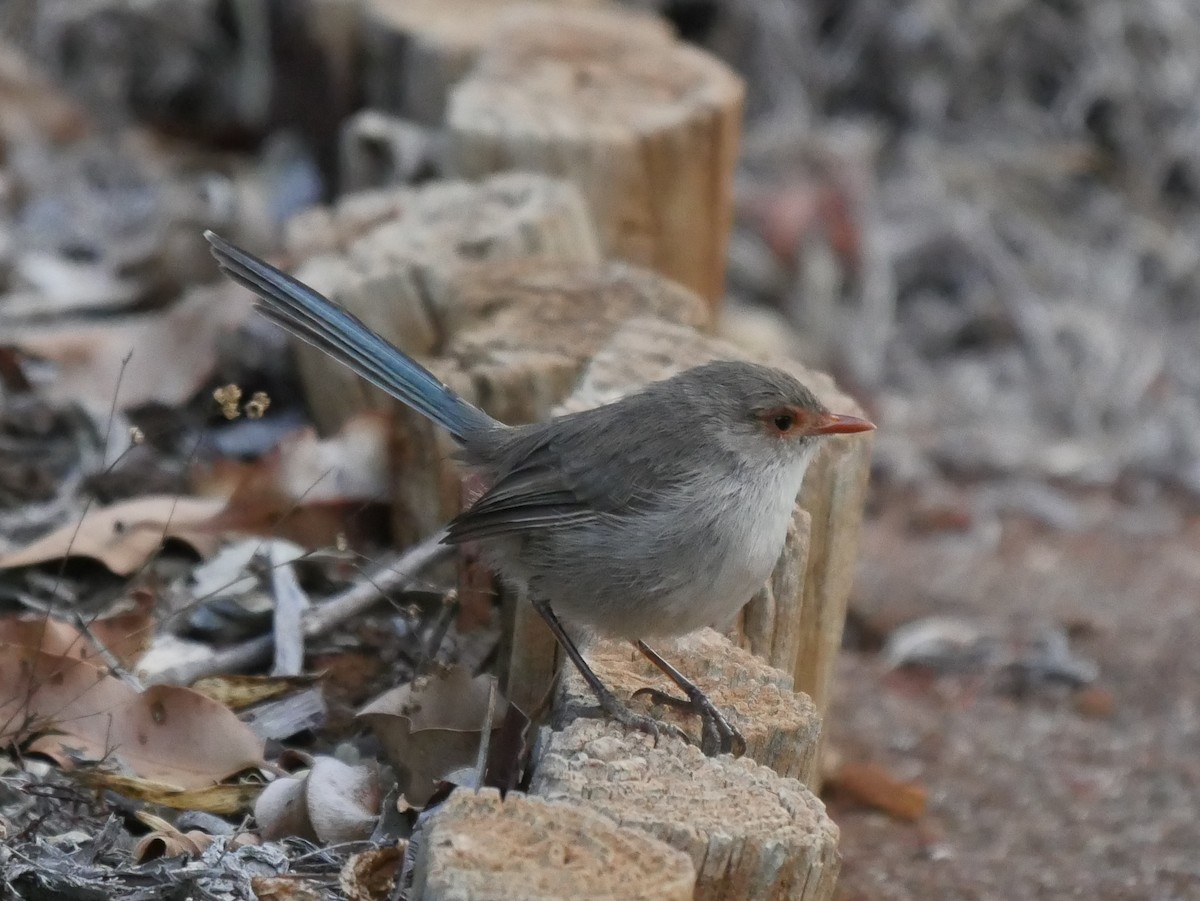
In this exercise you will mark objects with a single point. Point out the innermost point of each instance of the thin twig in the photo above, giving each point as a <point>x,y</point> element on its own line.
<point>397,572</point>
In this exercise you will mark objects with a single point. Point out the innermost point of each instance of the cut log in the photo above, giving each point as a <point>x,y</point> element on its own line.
<point>751,833</point>
<point>417,49</point>
<point>386,256</point>
<point>781,727</point>
<point>476,847</point>
<point>795,622</point>
<point>647,127</point>
<point>515,337</point>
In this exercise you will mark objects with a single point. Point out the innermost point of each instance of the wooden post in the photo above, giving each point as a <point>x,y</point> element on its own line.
<point>781,727</point>
<point>477,847</point>
<point>645,125</point>
<point>388,255</point>
<point>417,49</point>
<point>752,834</point>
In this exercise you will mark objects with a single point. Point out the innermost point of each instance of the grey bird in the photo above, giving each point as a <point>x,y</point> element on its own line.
<point>649,517</point>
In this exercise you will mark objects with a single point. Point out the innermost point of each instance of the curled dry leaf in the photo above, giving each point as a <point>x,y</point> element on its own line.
<point>332,802</point>
<point>165,840</point>
<point>237,692</point>
<point>166,733</point>
<point>126,535</point>
<point>221,800</point>
<point>433,725</point>
<point>171,843</point>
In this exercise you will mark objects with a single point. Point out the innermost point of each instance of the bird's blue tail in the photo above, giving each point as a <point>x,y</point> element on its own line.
<point>314,318</point>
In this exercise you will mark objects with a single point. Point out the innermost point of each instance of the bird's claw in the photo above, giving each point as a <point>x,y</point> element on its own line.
<point>653,727</point>
<point>718,735</point>
<point>611,706</point>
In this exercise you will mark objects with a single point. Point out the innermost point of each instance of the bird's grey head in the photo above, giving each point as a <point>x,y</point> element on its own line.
<point>761,414</point>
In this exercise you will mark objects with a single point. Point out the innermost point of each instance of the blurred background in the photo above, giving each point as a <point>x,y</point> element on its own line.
<point>982,218</point>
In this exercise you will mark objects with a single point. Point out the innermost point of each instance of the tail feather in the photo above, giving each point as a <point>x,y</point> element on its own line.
<point>314,318</point>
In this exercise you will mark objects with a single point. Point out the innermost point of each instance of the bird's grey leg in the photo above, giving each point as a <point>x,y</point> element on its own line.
<point>608,701</point>
<point>720,735</point>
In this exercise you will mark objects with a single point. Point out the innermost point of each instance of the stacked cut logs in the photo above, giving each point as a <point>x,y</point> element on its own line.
<point>571,284</point>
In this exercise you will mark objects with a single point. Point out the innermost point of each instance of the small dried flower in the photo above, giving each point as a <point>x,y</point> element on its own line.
<point>257,405</point>
<point>228,397</point>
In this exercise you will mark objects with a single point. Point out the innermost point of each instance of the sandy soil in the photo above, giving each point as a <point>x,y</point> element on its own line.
<point>1033,796</point>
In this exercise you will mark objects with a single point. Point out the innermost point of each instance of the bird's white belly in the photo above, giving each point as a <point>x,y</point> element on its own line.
<point>730,573</point>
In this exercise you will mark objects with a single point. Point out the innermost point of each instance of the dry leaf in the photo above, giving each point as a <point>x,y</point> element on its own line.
<point>222,800</point>
<point>872,785</point>
<point>170,842</point>
<point>124,536</point>
<point>258,508</point>
<point>371,875</point>
<point>166,733</point>
<point>238,692</point>
<point>125,636</point>
<point>310,490</point>
<point>1096,702</point>
<point>332,802</point>
<point>163,357</point>
<point>433,725</point>
<point>284,888</point>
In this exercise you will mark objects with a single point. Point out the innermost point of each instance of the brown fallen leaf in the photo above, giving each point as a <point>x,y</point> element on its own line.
<point>125,535</point>
<point>167,841</point>
<point>309,490</point>
<point>163,357</point>
<point>331,802</point>
<point>284,888</point>
<point>166,733</point>
<point>874,786</point>
<point>1096,702</point>
<point>126,635</point>
<point>222,800</point>
<point>433,725</point>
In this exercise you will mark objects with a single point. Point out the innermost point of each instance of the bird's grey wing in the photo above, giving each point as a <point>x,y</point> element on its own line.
<point>575,469</point>
<point>535,496</point>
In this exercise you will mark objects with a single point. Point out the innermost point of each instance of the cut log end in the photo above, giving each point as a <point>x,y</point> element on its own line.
<point>477,846</point>
<point>647,126</point>
<point>781,727</point>
<point>751,833</point>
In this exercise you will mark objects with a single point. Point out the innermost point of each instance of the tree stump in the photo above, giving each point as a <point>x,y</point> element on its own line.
<point>795,622</point>
<point>751,833</point>
<point>781,727</point>
<point>645,125</point>
<point>417,49</point>
<point>479,848</point>
<point>387,256</point>
<point>515,337</point>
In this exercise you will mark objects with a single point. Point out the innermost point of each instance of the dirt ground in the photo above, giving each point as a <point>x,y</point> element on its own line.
<point>1047,794</point>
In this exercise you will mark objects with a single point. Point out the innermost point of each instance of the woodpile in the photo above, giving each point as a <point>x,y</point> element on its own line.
<point>596,270</point>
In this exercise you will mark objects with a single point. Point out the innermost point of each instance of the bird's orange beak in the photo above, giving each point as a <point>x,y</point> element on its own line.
<point>834,424</point>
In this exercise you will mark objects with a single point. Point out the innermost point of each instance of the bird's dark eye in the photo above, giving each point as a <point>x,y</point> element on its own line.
<point>784,422</point>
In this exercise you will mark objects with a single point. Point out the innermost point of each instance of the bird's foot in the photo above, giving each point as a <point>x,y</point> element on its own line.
<point>611,705</point>
<point>717,734</point>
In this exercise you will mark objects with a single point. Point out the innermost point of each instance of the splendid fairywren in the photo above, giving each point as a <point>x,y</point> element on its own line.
<point>652,516</point>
